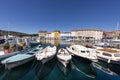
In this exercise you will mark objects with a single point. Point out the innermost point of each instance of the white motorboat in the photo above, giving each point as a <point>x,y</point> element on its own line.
<point>21,58</point>
<point>46,54</point>
<point>83,52</point>
<point>63,56</point>
<point>108,55</point>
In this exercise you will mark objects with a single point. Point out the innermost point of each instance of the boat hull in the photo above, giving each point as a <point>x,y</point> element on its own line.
<point>63,61</point>
<point>18,63</point>
<point>85,58</point>
<point>107,60</point>
<point>44,60</point>
<point>8,55</point>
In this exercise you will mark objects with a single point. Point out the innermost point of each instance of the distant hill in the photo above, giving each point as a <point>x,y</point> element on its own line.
<point>4,32</point>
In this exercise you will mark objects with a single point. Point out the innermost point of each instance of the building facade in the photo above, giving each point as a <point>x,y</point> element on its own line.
<point>116,34</point>
<point>65,35</point>
<point>85,34</point>
<point>88,34</point>
<point>57,34</point>
<point>42,34</point>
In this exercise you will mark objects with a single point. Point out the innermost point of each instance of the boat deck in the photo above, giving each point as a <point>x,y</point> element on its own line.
<point>109,51</point>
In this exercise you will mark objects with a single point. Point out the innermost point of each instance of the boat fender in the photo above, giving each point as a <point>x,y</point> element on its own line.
<point>108,60</point>
<point>62,51</point>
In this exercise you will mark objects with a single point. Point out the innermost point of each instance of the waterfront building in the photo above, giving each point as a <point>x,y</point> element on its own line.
<point>42,34</point>
<point>116,34</point>
<point>65,35</point>
<point>56,34</point>
<point>107,36</point>
<point>75,35</point>
<point>52,36</point>
<point>48,36</point>
<point>88,34</point>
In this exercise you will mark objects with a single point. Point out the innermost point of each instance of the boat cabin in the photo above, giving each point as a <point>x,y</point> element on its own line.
<point>108,53</point>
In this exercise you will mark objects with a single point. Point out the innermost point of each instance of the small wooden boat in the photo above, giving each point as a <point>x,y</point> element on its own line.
<point>21,58</point>
<point>63,56</point>
<point>46,54</point>
<point>5,53</point>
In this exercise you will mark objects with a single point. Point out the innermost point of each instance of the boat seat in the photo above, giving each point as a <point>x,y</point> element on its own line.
<point>62,52</point>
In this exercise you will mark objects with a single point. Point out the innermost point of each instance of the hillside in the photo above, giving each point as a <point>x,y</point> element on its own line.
<point>3,32</point>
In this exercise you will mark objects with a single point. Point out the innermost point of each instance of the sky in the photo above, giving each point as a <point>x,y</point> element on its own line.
<point>30,16</point>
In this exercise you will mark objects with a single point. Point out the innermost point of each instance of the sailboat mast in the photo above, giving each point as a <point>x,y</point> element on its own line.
<point>8,30</point>
<point>117,29</point>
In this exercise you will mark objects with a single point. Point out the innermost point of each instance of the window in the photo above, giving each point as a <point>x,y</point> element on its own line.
<point>82,51</point>
<point>88,51</point>
<point>35,50</point>
<point>117,55</point>
<point>97,52</point>
<point>72,48</point>
<point>106,54</point>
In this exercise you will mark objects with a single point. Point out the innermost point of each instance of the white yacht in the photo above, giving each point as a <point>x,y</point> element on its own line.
<point>108,55</point>
<point>63,56</point>
<point>46,54</point>
<point>83,52</point>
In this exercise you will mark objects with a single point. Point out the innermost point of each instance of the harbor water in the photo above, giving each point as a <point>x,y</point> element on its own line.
<point>77,69</point>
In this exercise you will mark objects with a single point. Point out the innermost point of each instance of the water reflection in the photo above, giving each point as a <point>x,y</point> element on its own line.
<point>39,71</point>
<point>15,73</point>
<point>55,74</point>
<point>113,67</point>
<point>56,42</point>
<point>64,70</point>
<point>81,70</point>
<point>45,69</point>
<point>30,75</point>
<point>3,72</point>
<point>78,69</point>
<point>103,72</point>
<point>64,42</point>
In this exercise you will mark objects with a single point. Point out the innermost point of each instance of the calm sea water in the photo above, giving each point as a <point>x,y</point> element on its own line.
<point>77,69</point>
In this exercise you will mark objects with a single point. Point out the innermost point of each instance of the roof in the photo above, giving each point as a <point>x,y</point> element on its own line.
<point>88,30</point>
<point>57,31</point>
<point>42,31</point>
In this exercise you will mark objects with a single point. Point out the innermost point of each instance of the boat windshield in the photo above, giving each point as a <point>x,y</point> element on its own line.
<point>1,48</point>
<point>117,55</point>
<point>30,53</point>
<point>35,50</point>
<point>106,54</point>
<point>97,52</point>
